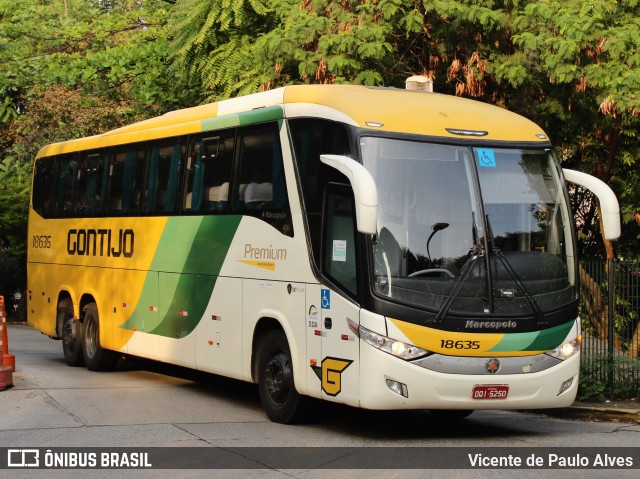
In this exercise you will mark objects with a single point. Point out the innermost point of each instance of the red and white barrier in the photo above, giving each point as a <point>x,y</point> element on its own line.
<point>8,364</point>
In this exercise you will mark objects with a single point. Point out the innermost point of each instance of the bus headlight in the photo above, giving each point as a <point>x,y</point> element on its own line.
<point>566,350</point>
<point>396,348</point>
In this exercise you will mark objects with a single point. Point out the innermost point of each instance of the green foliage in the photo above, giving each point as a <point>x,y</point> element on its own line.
<point>15,182</point>
<point>591,388</point>
<point>72,69</point>
<point>14,197</point>
<point>594,387</point>
<point>212,43</point>
<point>282,42</point>
<point>118,53</point>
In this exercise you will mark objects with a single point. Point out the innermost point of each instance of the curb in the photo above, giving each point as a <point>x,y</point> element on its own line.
<point>632,415</point>
<point>592,413</point>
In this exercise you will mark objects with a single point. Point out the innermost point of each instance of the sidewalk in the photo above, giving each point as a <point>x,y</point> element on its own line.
<point>615,411</point>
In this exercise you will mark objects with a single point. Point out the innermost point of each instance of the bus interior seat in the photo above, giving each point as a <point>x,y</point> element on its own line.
<point>388,244</point>
<point>241,191</point>
<point>215,198</point>
<point>258,195</point>
<point>117,204</point>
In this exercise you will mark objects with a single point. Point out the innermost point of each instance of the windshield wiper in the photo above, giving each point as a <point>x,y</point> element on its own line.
<point>457,286</point>
<point>514,276</point>
<point>478,252</point>
<point>516,279</point>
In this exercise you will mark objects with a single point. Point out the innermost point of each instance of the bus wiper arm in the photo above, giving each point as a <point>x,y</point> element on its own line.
<point>455,291</point>
<point>516,279</point>
<point>477,251</point>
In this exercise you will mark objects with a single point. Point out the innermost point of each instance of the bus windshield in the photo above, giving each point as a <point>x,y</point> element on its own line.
<point>470,230</point>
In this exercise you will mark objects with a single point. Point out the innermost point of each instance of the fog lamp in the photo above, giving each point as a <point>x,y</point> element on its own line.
<point>398,387</point>
<point>565,385</point>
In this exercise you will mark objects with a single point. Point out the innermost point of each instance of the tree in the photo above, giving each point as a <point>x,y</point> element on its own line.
<point>14,198</point>
<point>72,69</point>
<point>586,60</point>
<point>570,66</point>
<point>590,51</point>
<point>213,44</point>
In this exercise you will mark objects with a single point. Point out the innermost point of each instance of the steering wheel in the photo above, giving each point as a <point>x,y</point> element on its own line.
<point>440,271</point>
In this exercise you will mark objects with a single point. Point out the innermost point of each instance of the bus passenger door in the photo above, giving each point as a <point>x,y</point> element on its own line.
<point>340,346</point>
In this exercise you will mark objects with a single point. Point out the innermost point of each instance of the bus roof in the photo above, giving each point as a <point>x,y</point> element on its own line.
<point>380,109</point>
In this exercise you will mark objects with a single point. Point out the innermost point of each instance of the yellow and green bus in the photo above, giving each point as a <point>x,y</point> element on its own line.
<point>381,248</point>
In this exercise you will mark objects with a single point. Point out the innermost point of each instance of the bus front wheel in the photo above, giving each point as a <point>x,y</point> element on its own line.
<point>278,394</point>
<point>71,333</point>
<point>95,357</point>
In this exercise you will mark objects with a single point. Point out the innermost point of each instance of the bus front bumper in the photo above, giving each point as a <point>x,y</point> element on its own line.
<point>387,382</point>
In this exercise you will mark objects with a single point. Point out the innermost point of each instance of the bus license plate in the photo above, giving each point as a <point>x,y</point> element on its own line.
<point>485,391</point>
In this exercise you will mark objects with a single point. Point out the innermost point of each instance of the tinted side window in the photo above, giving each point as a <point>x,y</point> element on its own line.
<point>312,138</point>
<point>163,176</point>
<point>93,169</point>
<point>261,186</point>
<point>126,181</point>
<point>208,173</point>
<point>66,184</point>
<point>43,182</point>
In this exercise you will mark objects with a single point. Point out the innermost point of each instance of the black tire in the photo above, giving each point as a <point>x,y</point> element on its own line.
<point>70,330</point>
<point>95,357</point>
<point>278,394</point>
<point>450,414</point>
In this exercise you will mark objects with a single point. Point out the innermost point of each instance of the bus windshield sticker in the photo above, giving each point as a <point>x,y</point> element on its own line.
<point>340,250</point>
<point>486,158</point>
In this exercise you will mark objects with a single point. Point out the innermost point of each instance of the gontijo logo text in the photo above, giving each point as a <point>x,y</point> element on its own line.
<point>101,242</point>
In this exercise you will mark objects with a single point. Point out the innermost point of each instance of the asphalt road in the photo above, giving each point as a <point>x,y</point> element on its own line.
<point>145,404</point>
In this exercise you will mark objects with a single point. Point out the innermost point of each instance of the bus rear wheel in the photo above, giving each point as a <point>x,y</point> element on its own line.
<point>95,357</point>
<point>278,394</point>
<point>70,331</point>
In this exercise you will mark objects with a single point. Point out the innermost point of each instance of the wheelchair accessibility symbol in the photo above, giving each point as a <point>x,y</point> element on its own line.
<point>486,158</point>
<point>326,299</point>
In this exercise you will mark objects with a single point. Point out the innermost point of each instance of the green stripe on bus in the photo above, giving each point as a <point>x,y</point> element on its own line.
<point>183,273</point>
<point>534,341</point>
<point>269,113</point>
<point>515,342</point>
<point>551,338</point>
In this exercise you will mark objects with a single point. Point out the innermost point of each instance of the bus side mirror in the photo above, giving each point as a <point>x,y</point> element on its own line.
<point>364,190</point>
<point>608,202</point>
